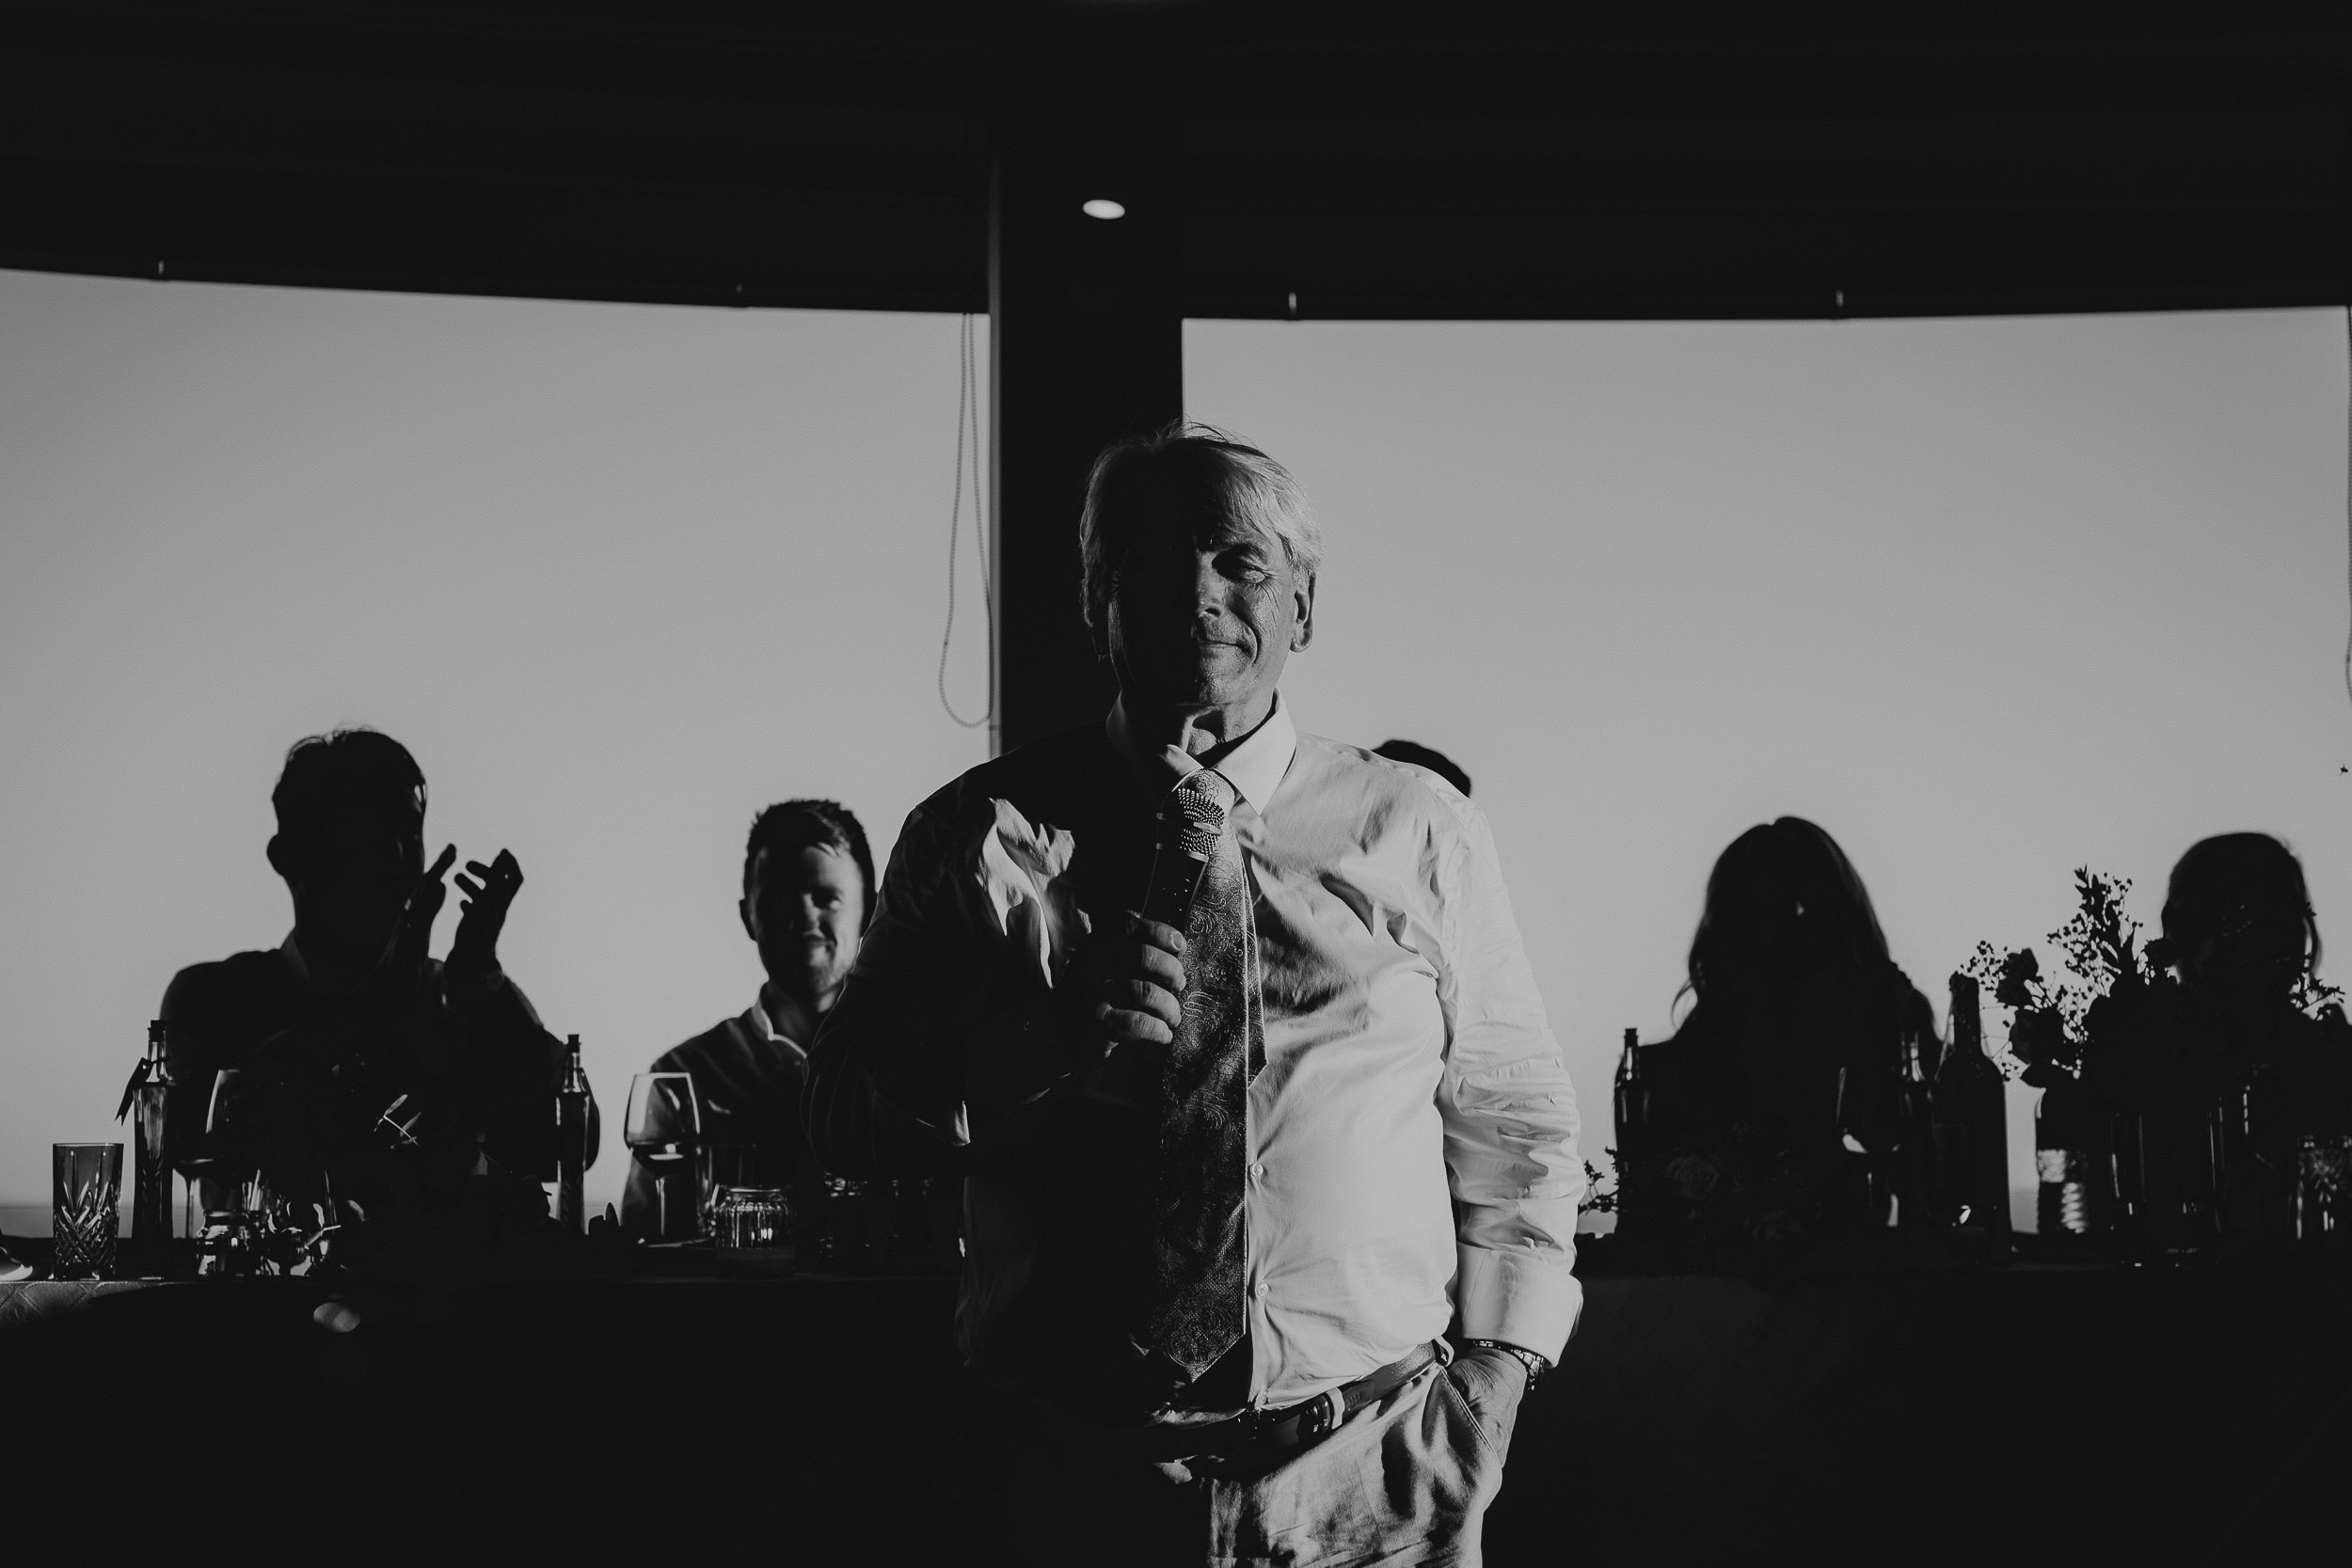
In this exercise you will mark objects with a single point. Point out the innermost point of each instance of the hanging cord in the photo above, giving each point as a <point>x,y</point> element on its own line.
<point>968,419</point>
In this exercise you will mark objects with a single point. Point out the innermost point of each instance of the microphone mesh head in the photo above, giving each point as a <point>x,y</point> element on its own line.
<point>1199,809</point>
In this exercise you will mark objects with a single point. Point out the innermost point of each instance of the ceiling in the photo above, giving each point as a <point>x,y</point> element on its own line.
<point>1369,161</point>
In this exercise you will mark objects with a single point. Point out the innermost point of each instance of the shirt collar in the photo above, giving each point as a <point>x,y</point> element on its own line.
<point>756,1022</point>
<point>1254,767</point>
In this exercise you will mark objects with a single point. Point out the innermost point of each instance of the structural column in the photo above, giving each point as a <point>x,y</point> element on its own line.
<point>1087,346</point>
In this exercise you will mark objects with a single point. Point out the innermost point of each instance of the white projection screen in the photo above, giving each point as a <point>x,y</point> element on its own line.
<point>1988,599</point>
<point>618,576</point>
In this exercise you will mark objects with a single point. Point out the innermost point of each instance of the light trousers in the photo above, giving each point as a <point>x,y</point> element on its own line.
<point>1406,1479</point>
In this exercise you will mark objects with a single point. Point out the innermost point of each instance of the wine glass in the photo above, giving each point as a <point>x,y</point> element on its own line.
<point>229,1182</point>
<point>664,1131</point>
<point>1865,1133</point>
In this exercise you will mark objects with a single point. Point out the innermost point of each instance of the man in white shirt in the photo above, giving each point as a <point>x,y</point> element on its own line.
<point>1218,1223</point>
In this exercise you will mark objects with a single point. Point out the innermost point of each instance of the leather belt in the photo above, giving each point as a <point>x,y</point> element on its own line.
<point>1293,1426</point>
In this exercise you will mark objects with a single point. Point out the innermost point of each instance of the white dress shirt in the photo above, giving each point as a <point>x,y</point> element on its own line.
<point>1412,1133</point>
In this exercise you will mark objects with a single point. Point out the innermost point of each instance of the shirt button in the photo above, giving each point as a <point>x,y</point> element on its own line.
<point>1257,1167</point>
<point>1263,1288</point>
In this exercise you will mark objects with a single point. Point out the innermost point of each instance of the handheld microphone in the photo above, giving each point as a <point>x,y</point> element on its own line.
<point>1189,833</point>
<point>1128,1075</point>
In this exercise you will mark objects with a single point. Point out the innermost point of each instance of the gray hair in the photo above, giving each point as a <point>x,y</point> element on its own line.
<point>1200,467</point>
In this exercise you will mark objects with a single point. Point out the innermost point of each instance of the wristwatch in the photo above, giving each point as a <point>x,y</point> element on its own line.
<point>1537,1366</point>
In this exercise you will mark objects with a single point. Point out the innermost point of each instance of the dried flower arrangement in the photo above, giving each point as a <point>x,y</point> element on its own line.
<point>2103,958</point>
<point>1595,1201</point>
<point>2050,1016</point>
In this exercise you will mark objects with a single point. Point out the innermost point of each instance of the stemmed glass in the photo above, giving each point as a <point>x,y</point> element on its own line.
<point>1864,1134</point>
<point>229,1182</point>
<point>664,1130</point>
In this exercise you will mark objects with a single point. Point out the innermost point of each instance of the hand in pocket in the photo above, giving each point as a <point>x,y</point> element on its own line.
<point>1490,1383</point>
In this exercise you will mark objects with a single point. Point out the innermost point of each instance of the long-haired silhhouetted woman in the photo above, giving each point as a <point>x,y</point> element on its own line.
<point>1792,1045</point>
<point>2245,1038</point>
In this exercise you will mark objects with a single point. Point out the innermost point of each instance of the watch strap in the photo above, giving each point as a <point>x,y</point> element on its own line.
<point>1537,1366</point>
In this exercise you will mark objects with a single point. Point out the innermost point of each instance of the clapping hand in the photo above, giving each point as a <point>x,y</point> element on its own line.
<point>489,891</point>
<point>407,952</point>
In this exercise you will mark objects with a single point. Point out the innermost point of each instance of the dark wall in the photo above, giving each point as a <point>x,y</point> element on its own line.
<point>1087,347</point>
<point>1402,162</point>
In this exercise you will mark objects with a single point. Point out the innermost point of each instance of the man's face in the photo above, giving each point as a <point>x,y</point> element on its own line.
<point>1205,610</point>
<point>353,876</point>
<point>803,908</point>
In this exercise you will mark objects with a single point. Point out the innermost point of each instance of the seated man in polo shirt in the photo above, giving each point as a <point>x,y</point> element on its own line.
<point>808,880</point>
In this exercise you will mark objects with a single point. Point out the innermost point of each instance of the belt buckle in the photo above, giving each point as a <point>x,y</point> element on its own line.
<point>1310,1420</point>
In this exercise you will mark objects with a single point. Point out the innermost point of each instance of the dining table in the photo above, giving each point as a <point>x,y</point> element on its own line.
<point>2039,1406</point>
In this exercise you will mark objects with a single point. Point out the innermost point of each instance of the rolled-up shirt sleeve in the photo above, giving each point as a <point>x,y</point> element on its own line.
<point>1509,1112</point>
<point>933,1027</point>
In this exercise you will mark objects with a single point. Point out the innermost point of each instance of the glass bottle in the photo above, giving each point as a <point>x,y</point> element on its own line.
<point>2127,1177</point>
<point>1971,1122</point>
<point>943,1207</point>
<point>1633,1125</point>
<point>572,1151</point>
<point>1916,1208</point>
<point>2176,1180</point>
<point>150,1200</point>
<point>2323,1175</point>
<point>2253,1196</point>
<point>847,1239</point>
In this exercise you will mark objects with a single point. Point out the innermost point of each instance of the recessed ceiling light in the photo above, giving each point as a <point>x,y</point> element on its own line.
<point>1100,208</point>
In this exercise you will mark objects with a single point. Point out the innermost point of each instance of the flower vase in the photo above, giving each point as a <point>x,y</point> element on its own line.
<point>2076,1199</point>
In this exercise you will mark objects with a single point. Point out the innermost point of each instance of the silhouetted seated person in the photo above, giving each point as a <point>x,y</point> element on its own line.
<point>1426,756</point>
<point>808,880</point>
<point>2243,1021</point>
<point>401,1087</point>
<point>1797,1001</point>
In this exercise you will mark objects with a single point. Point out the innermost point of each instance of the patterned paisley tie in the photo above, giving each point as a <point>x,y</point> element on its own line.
<point>1196,1310</point>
